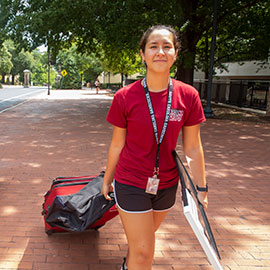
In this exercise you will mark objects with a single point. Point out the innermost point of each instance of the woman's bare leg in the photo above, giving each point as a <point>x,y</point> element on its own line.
<point>140,231</point>
<point>158,218</point>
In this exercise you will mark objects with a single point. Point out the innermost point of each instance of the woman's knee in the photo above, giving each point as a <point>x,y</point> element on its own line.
<point>143,255</point>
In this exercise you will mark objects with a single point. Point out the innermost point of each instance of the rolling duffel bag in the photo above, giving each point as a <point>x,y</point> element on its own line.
<point>75,204</point>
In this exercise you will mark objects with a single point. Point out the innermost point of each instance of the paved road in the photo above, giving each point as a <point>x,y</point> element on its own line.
<point>66,134</point>
<point>11,96</point>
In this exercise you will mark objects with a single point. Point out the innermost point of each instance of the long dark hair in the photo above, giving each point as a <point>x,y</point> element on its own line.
<point>148,32</point>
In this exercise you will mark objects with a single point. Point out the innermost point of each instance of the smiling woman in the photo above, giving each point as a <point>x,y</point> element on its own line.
<point>147,117</point>
<point>159,54</point>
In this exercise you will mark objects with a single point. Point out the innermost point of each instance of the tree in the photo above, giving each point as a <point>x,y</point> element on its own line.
<point>239,37</point>
<point>35,61</point>
<point>5,14</point>
<point>39,71</point>
<point>193,19</point>
<point>21,60</point>
<point>120,23</point>
<point>89,65</point>
<point>66,60</point>
<point>85,22</point>
<point>121,60</point>
<point>5,61</point>
<point>77,66</point>
<point>93,68</point>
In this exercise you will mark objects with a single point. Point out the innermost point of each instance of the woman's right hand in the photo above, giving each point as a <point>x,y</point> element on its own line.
<point>106,189</point>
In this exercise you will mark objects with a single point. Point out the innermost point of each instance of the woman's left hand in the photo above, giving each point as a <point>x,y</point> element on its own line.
<point>106,189</point>
<point>202,197</point>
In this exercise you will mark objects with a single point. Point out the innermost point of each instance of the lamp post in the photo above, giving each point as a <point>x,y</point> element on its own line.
<point>49,70</point>
<point>208,110</point>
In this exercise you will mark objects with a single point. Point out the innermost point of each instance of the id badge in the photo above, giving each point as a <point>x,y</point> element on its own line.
<point>152,185</point>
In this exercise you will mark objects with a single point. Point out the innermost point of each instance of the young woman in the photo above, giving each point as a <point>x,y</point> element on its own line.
<point>147,117</point>
<point>97,84</point>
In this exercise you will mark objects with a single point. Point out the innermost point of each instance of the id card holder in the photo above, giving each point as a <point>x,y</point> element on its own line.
<point>152,185</point>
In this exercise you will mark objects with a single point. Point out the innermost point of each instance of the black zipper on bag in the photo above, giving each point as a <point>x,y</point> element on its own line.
<point>62,179</point>
<point>56,181</point>
<point>65,185</point>
<point>69,184</point>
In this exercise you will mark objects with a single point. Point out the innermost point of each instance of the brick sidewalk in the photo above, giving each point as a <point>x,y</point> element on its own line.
<point>45,138</point>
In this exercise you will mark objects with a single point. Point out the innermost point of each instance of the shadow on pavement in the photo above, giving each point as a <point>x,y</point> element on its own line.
<point>41,140</point>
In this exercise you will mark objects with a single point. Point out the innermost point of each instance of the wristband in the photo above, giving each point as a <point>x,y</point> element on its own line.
<point>204,189</point>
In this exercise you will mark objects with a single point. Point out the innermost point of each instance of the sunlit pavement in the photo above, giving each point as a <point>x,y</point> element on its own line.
<point>86,93</point>
<point>65,134</point>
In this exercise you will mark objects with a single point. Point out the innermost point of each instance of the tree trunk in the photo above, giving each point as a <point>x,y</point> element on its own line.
<point>268,103</point>
<point>3,77</point>
<point>13,79</point>
<point>189,38</point>
<point>185,66</point>
<point>184,74</point>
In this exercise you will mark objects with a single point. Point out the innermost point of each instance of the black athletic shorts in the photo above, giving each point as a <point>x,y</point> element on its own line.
<point>131,199</point>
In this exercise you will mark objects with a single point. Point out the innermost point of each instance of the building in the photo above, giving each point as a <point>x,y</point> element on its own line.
<point>243,84</point>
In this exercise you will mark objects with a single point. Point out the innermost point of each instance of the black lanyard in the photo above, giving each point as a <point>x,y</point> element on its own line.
<point>153,118</point>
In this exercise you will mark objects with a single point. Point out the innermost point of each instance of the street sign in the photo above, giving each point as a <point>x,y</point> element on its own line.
<point>64,73</point>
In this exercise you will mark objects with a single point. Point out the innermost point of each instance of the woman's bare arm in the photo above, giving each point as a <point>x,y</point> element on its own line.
<point>117,144</point>
<point>194,154</point>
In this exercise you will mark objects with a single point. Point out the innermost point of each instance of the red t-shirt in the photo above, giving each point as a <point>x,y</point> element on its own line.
<point>129,110</point>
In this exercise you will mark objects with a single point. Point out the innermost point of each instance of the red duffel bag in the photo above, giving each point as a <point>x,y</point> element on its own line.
<point>75,204</point>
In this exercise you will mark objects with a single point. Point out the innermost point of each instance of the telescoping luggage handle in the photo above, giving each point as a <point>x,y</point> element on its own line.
<point>194,191</point>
